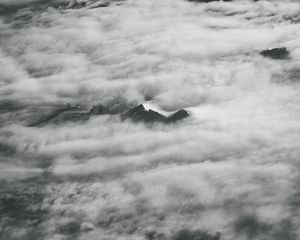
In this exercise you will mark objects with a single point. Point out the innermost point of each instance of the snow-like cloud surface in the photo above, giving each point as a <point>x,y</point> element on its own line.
<point>231,168</point>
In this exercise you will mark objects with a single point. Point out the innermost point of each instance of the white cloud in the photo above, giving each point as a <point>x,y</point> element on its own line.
<point>234,159</point>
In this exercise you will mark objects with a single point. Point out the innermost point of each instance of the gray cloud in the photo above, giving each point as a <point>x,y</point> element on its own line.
<point>230,168</point>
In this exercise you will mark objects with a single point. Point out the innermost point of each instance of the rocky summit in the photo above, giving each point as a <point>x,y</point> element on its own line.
<point>139,113</point>
<point>276,53</point>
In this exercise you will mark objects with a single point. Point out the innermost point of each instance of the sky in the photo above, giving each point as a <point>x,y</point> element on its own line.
<point>229,170</point>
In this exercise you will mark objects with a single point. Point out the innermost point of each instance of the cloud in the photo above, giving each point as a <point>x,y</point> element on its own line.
<point>231,167</point>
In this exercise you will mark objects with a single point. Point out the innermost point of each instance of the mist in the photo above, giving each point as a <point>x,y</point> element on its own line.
<point>230,170</point>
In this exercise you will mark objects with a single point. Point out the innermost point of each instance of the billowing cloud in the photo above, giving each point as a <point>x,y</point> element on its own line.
<point>229,171</point>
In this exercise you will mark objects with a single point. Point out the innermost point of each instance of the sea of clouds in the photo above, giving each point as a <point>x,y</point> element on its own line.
<point>229,171</point>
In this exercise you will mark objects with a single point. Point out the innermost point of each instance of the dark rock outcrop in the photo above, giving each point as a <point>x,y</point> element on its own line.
<point>149,116</point>
<point>63,114</point>
<point>98,109</point>
<point>79,113</point>
<point>70,114</point>
<point>179,115</point>
<point>139,113</point>
<point>276,53</point>
<point>133,111</point>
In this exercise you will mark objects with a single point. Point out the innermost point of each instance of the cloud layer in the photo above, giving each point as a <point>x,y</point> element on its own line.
<point>229,170</point>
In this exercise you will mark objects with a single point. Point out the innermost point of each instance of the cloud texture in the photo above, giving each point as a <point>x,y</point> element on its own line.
<point>229,170</point>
